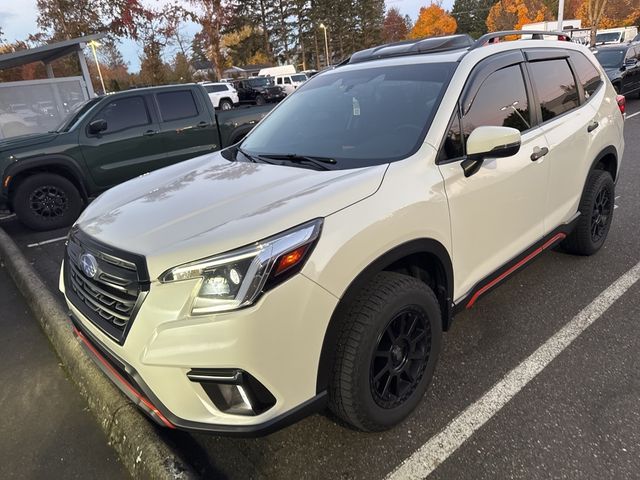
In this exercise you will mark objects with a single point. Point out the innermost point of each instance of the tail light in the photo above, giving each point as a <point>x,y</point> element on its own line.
<point>622,103</point>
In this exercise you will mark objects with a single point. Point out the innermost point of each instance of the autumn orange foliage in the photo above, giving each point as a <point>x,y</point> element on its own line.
<point>512,14</point>
<point>433,21</point>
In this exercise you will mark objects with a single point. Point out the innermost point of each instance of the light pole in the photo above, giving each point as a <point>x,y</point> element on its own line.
<point>326,44</point>
<point>93,44</point>
<point>560,15</point>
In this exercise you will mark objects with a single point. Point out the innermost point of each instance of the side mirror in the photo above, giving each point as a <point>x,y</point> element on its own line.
<point>97,126</point>
<point>489,142</point>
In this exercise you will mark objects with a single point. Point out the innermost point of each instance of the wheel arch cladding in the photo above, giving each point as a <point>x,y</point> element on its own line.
<point>425,259</point>
<point>55,165</point>
<point>607,160</point>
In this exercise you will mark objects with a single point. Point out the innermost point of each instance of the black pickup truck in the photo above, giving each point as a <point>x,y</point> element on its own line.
<point>47,178</point>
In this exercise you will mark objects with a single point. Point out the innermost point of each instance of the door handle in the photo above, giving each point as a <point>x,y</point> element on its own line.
<point>538,153</point>
<point>202,125</point>
<point>150,133</point>
<point>592,126</point>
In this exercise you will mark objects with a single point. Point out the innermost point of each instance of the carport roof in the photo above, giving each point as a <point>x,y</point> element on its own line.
<point>45,53</point>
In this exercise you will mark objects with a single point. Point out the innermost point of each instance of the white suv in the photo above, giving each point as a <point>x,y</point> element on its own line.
<point>223,95</point>
<point>290,83</point>
<point>319,260</point>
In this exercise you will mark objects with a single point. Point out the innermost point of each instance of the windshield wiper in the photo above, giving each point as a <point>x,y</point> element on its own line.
<point>320,162</point>
<point>252,158</point>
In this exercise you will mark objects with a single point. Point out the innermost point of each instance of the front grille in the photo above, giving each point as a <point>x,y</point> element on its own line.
<point>109,292</point>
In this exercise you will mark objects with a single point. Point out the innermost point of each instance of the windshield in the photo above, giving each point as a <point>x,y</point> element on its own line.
<point>260,82</point>
<point>76,114</point>
<point>608,37</point>
<point>298,78</point>
<point>357,117</point>
<point>610,58</point>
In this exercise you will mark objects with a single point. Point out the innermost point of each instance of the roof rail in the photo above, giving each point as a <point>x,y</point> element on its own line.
<point>412,47</point>
<point>535,35</point>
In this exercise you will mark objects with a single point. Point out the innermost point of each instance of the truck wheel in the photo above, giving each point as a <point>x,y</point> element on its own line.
<point>386,353</point>
<point>260,100</point>
<point>596,214</point>
<point>226,104</point>
<point>46,201</point>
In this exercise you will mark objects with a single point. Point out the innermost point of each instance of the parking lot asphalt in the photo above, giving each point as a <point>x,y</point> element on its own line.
<point>47,430</point>
<point>578,418</point>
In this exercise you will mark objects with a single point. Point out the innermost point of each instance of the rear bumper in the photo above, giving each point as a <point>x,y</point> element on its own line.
<point>127,379</point>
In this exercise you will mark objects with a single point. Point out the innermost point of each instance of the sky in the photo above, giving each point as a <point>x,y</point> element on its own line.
<point>18,20</point>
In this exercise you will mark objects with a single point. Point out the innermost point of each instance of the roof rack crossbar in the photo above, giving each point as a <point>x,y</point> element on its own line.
<point>413,47</point>
<point>535,35</point>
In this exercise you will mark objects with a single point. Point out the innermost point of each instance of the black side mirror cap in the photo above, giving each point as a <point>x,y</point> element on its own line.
<point>97,126</point>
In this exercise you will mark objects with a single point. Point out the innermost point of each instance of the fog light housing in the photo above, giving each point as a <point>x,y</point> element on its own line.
<point>233,391</point>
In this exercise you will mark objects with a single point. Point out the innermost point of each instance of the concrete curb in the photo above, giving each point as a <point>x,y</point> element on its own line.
<point>133,437</point>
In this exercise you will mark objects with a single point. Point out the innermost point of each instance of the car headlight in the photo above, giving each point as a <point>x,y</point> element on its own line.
<point>235,279</point>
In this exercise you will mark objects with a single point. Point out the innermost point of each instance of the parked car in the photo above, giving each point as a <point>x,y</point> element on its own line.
<point>223,95</point>
<point>319,260</point>
<point>289,83</point>
<point>47,178</point>
<point>258,90</point>
<point>622,65</point>
<point>616,35</point>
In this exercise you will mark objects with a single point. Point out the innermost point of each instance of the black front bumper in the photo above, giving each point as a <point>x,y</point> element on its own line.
<point>129,382</point>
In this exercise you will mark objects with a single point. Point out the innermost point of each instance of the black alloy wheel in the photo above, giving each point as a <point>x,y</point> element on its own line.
<point>48,201</point>
<point>600,215</point>
<point>400,358</point>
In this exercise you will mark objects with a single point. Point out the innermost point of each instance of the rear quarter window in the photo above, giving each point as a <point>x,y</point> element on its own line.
<point>587,74</point>
<point>555,86</point>
<point>177,105</point>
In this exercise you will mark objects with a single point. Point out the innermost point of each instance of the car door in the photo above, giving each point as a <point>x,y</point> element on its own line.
<point>498,212</point>
<point>632,65</point>
<point>186,126</point>
<point>567,126</point>
<point>128,147</point>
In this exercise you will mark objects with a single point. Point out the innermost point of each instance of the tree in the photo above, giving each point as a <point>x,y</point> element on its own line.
<point>394,27</point>
<point>65,19</point>
<point>433,21</point>
<point>513,14</point>
<point>211,15</point>
<point>592,13</point>
<point>182,71</point>
<point>471,16</point>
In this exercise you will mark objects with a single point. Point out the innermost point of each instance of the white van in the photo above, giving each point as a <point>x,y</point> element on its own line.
<point>616,35</point>
<point>289,83</point>
<point>279,70</point>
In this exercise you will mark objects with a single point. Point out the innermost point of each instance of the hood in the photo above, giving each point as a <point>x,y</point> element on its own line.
<point>209,205</point>
<point>29,140</point>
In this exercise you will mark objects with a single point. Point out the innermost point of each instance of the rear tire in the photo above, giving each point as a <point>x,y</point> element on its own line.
<point>387,351</point>
<point>260,100</point>
<point>596,214</point>
<point>225,104</point>
<point>46,201</point>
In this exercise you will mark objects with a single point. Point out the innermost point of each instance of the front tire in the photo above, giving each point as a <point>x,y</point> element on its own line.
<point>46,201</point>
<point>387,351</point>
<point>260,100</point>
<point>596,215</point>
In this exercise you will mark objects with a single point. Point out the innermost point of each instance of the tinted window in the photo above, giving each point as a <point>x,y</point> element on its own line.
<point>176,105</point>
<point>610,58</point>
<point>287,80</point>
<point>124,113</point>
<point>501,101</point>
<point>453,145</point>
<point>587,74</point>
<point>299,78</point>
<point>215,88</point>
<point>260,82</point>
<point>555,87</point>
<point>357,116</point>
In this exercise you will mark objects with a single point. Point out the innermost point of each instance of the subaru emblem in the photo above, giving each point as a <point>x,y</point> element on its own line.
<point>89,265</point>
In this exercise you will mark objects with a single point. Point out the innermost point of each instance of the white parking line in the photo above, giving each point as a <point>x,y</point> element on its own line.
<point>427,458</point>
<point>53,240</point>
<point>7,217</point>
<point>632,115</point>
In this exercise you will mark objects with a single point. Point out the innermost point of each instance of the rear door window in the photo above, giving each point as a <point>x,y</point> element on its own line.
<point>587,74</point>
<point>177,105</point>
<point>555,87</point>
<point>215,88</point>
